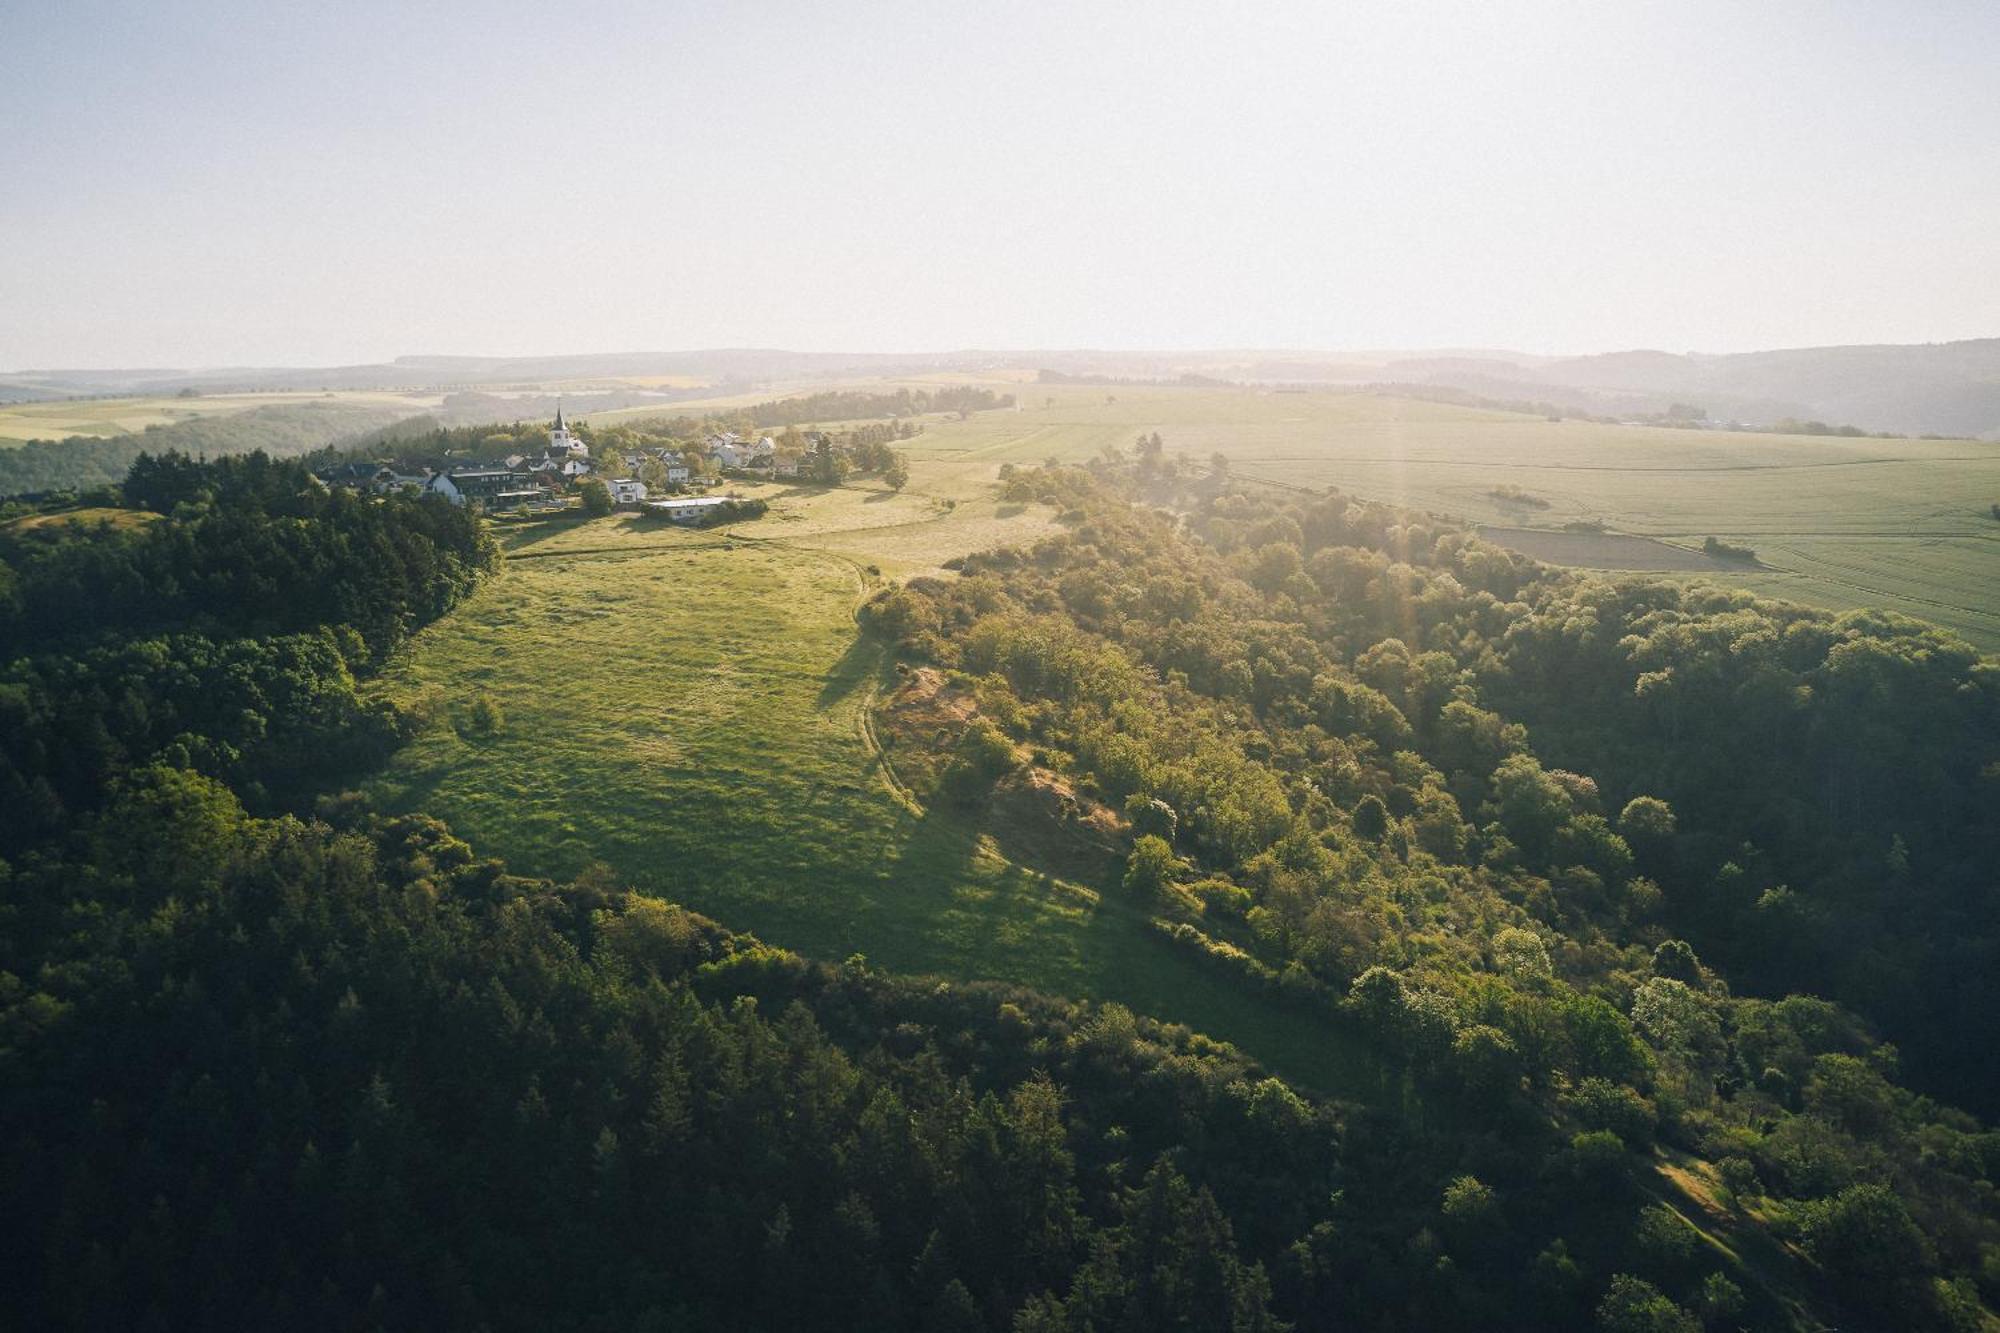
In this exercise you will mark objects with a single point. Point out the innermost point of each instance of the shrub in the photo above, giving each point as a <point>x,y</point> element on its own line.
<point>1150,868</point>
<point>1634,1305</point>
<point>1150,815</point>
<point>1598,1103</point>
<point>982,756</point>
<point>1220,898</point>
<point>484,716</point>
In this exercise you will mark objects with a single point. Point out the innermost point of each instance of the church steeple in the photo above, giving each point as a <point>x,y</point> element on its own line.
<point>559,419</point>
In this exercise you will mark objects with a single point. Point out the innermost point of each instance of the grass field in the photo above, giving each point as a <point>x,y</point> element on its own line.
<point>692,711</point>
<point>87,517</point>
<point>55,420</point>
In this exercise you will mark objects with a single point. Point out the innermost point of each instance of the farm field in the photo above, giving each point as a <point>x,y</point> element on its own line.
<point>692,711</point>
<point>1899,524</point>
<point>54,420</point>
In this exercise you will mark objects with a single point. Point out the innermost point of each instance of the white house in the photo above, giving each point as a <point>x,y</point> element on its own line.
<point>687,511</point>
<point>677,472</point>
<point>627,491</point>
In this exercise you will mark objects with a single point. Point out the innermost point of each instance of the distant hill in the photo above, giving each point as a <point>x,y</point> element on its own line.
<point>1943,388</point>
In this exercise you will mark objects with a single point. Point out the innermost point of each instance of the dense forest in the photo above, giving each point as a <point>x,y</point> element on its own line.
<point>1658,860</point>
<point>223,636</point>
<point>1627,887</point>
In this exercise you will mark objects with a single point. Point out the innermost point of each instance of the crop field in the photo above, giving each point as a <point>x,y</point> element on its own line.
<point>691,710</point>
<point>55,420</point>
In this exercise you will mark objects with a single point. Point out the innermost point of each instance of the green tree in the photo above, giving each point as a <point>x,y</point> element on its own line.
<point>1150,868</point>
<point>1867,1243</point>
<point>596,497</point>
<point>1634,1305</point>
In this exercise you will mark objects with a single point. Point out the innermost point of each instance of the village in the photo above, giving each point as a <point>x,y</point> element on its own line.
<point>671,481</point>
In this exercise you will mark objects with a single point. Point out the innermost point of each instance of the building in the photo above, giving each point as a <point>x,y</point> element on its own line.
<point>352,476</point>
<point>626,491</point>
<point>489,488</point>
<point>698,509</point>
<point>562,444</point>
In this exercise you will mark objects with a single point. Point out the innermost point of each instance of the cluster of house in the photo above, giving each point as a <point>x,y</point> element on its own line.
<point>523,481</point>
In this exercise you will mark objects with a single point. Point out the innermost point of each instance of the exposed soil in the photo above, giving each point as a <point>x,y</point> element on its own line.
<point>1036,815</point>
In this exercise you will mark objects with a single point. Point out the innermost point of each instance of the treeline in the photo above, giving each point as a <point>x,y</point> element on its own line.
<point>1526,823</point>
<point>84,462</point>
<point>853,404</point>
<point>1186,379</point>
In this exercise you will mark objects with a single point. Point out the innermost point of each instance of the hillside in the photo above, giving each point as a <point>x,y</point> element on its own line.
<point>1930,388</point>
<point>1542,992</point>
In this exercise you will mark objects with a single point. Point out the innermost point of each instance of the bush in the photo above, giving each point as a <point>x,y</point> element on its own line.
<point>1150,868</point>
<point>484,716</point>
<point>1598,1103</point>
<point>1867,1242</point>
<point>1634,1305</point>
<point>983,755</point>
<point>1150,815</point>
<point>1220,898</point>
<point>596,498</point>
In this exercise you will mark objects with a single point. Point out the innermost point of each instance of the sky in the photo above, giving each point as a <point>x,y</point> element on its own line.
<point>187,185</point>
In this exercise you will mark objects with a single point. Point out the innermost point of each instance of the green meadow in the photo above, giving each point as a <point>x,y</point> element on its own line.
<point>691,712</point>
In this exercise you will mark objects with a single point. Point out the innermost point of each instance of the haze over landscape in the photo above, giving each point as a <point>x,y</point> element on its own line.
<point>244,186</point>
<point>1031,669</point>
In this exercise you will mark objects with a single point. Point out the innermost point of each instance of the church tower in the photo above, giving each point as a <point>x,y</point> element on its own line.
<point>560,440</point>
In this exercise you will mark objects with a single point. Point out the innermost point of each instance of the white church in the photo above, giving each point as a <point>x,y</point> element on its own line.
<point>562,443</point>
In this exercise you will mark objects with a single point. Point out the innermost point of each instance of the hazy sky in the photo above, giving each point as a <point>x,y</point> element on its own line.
<point>199,184</point>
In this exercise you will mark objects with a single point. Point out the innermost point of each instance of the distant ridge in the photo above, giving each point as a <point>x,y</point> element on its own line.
<point>1944,388</point>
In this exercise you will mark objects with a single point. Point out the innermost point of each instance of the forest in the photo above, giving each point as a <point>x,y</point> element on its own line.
<point>1665,911</point>
<point>1647,858</point>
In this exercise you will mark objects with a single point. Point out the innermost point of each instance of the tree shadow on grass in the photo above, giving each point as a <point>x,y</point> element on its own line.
<point>526,534</point>
<point>863,661</point>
